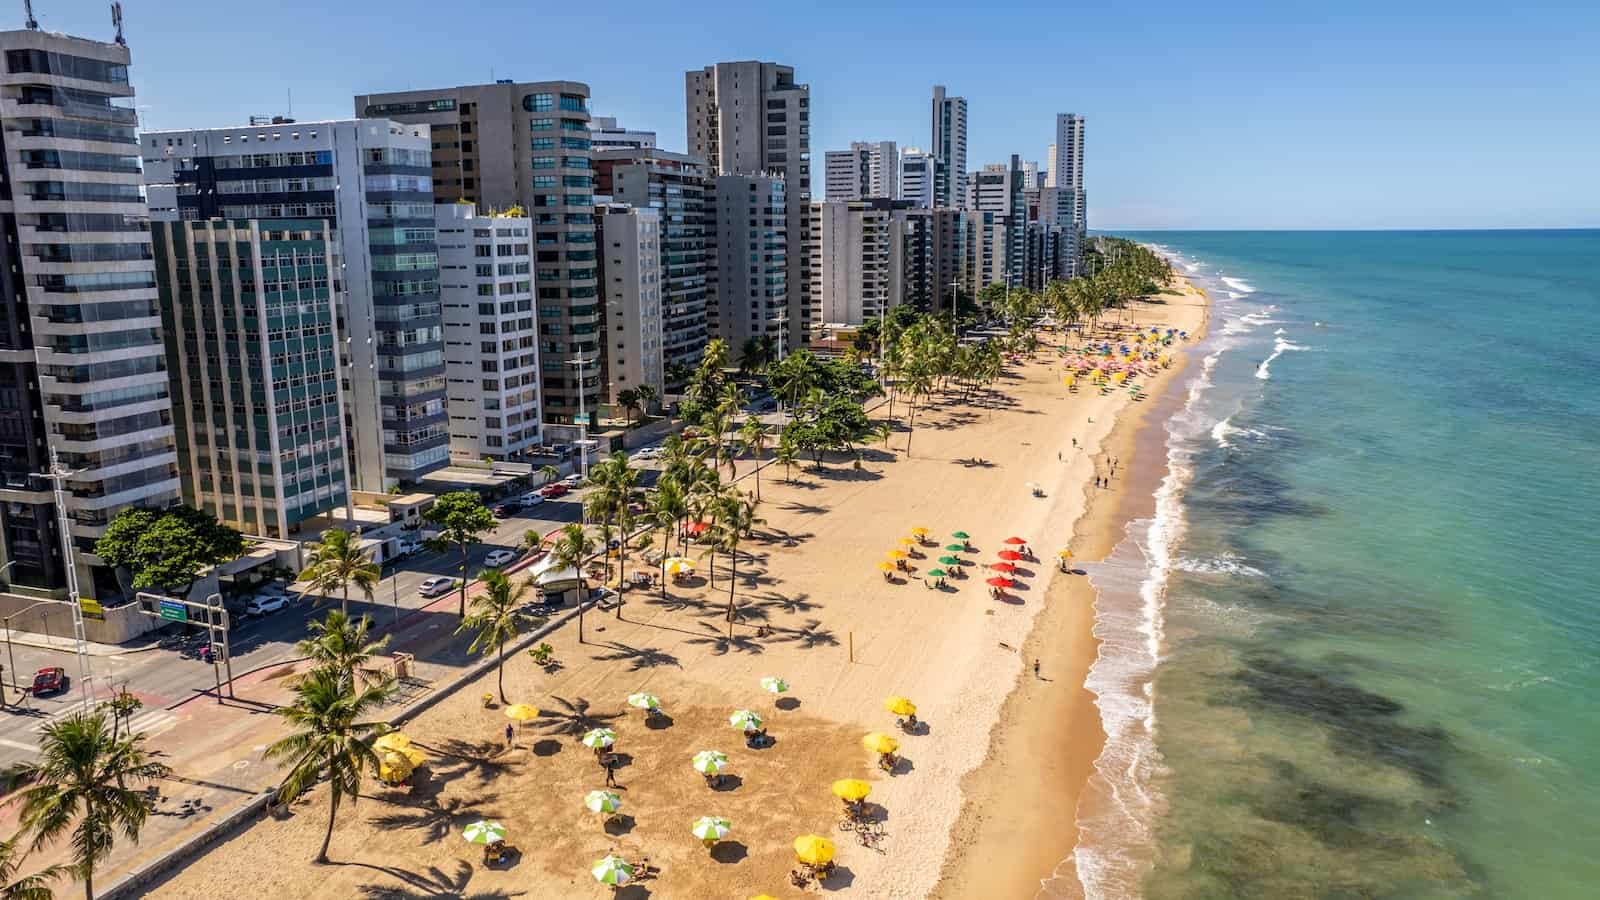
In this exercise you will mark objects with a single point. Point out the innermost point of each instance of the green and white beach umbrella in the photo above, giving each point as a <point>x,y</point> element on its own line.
<point>612,870</point>
<point>710,762</point>
<point>711,828</point>
<point>599,737</point>
<point>643,700</point>
<point>772,684</point>
<point>484,832</point>
<point>745,720</point>
<point>602,802</point>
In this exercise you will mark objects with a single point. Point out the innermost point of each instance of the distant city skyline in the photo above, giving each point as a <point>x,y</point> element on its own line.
<point>1232,117</point>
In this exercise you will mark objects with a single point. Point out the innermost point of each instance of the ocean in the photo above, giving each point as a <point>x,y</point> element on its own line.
<point>1355,651</point>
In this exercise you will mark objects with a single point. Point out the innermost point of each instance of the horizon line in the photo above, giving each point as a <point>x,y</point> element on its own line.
<point>1378,228</point>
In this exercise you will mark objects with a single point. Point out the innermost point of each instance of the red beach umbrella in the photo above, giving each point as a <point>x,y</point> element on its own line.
<point>1009,555</point>
<point>1001,582</point>
<point>1005,567</point>
<point>1015,541</point>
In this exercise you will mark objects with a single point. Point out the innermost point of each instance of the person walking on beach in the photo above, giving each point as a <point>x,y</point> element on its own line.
<point>511,734</point>
<point>610,762</point>
<point>1036,668</point>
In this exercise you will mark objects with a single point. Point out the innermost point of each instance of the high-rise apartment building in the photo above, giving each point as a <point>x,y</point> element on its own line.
<point>854,247</point>
<point>931,244</point>
<point>370,178</point>
<point>868,170</point>
<point>949,144</point>
<point>752,118</point>
<point>491,332</point>
<point>527,145</point>
<point>82,365</point>
<point>252,338</point>
<point>748,291</point>
<point>918,173</point>
<point>606,134</point>
<point>1067,204</point>
<point>631,283</point>
<point>676,187</point>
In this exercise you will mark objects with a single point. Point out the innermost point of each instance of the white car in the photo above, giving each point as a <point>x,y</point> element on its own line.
<point>573,481</point>
<point>648,453</point>
<point>261,604</point>
<point>531,498</point>
<point>437,586</point>
<point>498,558</point>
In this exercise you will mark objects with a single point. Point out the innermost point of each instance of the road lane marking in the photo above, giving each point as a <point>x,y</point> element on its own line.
<point>18,745</point>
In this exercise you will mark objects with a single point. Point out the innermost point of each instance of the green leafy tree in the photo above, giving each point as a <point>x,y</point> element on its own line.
<point>336,562</point>
<point>495,620</point>
<point>462,519</point>
<point>787,451</point>
<point>572,546</point>
<point>122,707</point>
<point>648,397</point>
<point>80,782</point>
<point>329,739</point>
<point>167,549</point>
<point>629,401</point>
<point>341,644</point>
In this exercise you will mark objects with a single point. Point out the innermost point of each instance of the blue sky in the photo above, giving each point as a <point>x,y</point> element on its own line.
<point>1201,115</point>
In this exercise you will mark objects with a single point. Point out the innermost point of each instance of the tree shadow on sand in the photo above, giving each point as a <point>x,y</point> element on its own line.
<point>809,635</point>
<point>571,717</point>
<point>786,603</point>
<point>721,644</point>
<point>435,884</point>
<point>804,509</point>
<point>457,757</point>
<point>637,657</point>
<point>435,820</point>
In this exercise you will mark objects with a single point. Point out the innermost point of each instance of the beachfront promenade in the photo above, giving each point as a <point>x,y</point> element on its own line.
<point>813,608</point>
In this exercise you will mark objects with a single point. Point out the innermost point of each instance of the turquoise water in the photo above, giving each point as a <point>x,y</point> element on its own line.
<point>1371,592</point>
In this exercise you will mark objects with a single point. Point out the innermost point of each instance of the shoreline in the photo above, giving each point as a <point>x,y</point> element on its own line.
<point>1049,734</point>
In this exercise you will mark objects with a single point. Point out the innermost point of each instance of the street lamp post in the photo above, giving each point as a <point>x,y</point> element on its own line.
<point>583,418</point>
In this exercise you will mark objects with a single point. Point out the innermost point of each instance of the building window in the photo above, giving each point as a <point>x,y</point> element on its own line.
<point>573,102</point>
<point>539,102</point>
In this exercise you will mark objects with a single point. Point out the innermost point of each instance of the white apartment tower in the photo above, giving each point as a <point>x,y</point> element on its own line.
<point>82,365</point>
<point>752,119</point>
<point>1066,174</point>
<point>949,135</point>
<point>853,256</point>
<point>868,170</point>
<point>491,336</point>
<point>631,286</point>
<point>918,171</point>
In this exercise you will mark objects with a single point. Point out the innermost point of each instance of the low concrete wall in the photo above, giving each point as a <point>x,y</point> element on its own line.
<point>54,618</point>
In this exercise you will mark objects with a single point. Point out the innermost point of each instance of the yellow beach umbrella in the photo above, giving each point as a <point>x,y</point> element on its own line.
<point>763,897</point>
<point>851,790</point>
<point>522,712</point>
<point>1065,554</point>
<point>886,567</point>
<point>897,554</point>
<point>919,531</point>
<point>878,742</point>
<point>677,565</point>
<point>906,542</point>
<point>813,850</point>
<point>900,706</point>
<point>394,740</point>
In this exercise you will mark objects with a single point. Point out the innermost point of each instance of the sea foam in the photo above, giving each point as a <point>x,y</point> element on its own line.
<point>1238,284</point>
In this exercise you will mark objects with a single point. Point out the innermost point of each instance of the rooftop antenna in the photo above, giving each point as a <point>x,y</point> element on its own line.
<point>116,20</point>
<point>31,22</point>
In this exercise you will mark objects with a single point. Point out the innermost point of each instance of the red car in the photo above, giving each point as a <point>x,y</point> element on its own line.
<point>553,489</point>
<point>49,680</point>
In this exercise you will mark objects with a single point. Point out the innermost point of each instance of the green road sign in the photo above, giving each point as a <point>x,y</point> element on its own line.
<point>174,611</point>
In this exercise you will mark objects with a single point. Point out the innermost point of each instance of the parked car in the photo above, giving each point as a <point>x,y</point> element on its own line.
<point>498,558</point>
<point>437,586</point>
<point>507,509</point>
<point>573,481</point>
<point>261,604</point>
<point>648,453</point>
<point>531,498</point>
<point>408,548</point>
<point>49,680</point>
<point>554,489</point>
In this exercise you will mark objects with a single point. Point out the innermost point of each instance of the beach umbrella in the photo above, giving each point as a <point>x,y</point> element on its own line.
<point>919,531</point>
<point>851,790</point>
<point>763,897</point>
<point>710,762</point>
<point>906,542</point>
<point>955,548</point>
<point>937,573</point>
<point>522,712</point>
<point>643,700</point>
<point>602,802</point>
<point>1064,554</point>
<point>745,720</point>
<point>394,740</point>
<point>396,766</point>
<point>677,565</point>
<point>482,832</point>
<point>886,567</point>
<point>813,850</point>
<point>950,560</point>
<point>1009,555</point>
<point>898,554</point>
<point>960,535</point>
<point>1005,567</point>
<point>1001,582</point>
<point>878,742</point>
<point>772,684</point>
<point>612,870</point>
<point>596,738</point>
<point>711,828</point>
<point>900,706</point>
<point>1015,541</point>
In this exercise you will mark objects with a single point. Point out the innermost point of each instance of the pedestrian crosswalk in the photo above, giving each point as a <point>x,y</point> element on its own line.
<point>149,723</point>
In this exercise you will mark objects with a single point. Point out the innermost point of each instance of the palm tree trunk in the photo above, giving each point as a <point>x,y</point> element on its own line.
<point>333,811</point>
<point>911,428</point>
<point>461,607</point>
<point>583,594</point>
<point>344,602</point>
<point>500,672</point>
<point>758,477</point>
<point>622,565</point>
<point>733,579</point>
<point>88,883</point>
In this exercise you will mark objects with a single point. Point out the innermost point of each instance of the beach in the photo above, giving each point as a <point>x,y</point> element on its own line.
<point>814,609</point>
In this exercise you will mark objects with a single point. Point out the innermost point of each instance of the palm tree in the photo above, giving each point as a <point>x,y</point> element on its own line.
<point>80,782</point>
<point>738,517</point>
<point>573,545</point>
<point>493,615</point>
<point>648,395</point>
<point>337,562</point>
<point>28,887</point>
<point>330,739</point>
<point>122,708</point>
<point>669,505</point>
<point>614,484</point>
<point>753,437</point>
<point>786,453</point>
<point>629,401</point>
<point>340,644</point>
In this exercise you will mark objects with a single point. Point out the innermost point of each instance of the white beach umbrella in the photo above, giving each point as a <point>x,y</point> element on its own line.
<point>484,832</point>
<point>602,801</point>
<point>599,737</point>
<point>612,870</point>
<point>643,700</point>
<point>745,720</point>
<point>710,762</point>
<point>711,828</point>
<point>772,684</point>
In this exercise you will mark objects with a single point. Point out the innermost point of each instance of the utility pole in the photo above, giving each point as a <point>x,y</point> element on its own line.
<point>58,478</point>
<point>217,622</point>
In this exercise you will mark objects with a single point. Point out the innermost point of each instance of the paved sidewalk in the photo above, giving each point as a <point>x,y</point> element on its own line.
<point>67,645</point>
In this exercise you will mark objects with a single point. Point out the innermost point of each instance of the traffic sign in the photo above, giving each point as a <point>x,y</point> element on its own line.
<point>174,610</point>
